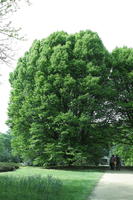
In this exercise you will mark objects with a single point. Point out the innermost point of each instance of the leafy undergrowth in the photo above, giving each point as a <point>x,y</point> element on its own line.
<point>4,167</point>
<point>34,183</point>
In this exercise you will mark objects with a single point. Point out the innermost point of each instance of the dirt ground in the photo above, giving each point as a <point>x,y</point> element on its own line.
<point>114,185</point>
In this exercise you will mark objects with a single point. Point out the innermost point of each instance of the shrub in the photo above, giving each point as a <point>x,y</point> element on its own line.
<point>4,167</point>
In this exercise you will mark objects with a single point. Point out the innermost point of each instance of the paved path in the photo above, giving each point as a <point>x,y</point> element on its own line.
<point>114,185</point>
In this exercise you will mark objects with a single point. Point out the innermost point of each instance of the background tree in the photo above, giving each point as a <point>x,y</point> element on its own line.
<point>5,149</point>
<point>8,33</point>
<point>125,152</point>
<point>122,99</point>
<point>57,99</point>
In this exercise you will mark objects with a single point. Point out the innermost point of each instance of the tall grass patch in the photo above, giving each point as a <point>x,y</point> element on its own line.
<point>30,188</point>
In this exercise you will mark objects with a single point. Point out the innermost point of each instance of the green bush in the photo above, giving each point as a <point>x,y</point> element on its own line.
<point>30,187</point>
<point>4,167</point>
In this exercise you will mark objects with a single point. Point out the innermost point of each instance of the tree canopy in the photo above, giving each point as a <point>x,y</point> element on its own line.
<point>122,84</point>
<point>65,100</point>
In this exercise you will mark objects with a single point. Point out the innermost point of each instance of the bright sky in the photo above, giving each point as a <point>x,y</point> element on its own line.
<point>111,19</point>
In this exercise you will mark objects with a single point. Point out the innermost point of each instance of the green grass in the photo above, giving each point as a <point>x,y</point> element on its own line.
<point>33,183</point>
<point>30,187</point>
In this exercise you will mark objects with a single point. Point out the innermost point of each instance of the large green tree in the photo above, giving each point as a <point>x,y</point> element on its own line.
<point>122,97</point>
<point>58,99</point>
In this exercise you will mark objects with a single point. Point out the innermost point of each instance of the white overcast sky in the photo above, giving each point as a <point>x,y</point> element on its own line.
<point>111,19</point>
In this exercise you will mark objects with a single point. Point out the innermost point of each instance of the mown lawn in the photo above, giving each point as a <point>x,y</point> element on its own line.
<point>61,184</point>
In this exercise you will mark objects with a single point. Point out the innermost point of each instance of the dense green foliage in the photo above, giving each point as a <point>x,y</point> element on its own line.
<point>5,147</point>
<point>32,183</point>
<point>125,152</point>
<point>122,84</point>
<point>58,95</point>
<point>4,167</point>
<point>70,100</point>
<point>121,81</point>
<point>6,150</point>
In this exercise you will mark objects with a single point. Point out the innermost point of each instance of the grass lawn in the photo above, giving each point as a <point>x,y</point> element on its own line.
<point>75,184</point>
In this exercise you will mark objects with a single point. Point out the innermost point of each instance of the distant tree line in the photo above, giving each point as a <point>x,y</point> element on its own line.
<point>71,100</point>
<point>6,154</point>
